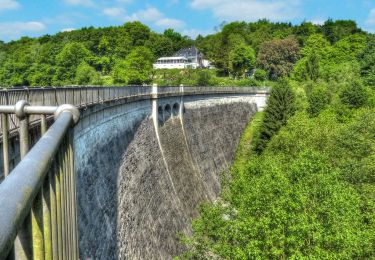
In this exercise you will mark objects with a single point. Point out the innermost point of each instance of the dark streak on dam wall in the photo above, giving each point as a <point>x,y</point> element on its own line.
<point>139,184</point>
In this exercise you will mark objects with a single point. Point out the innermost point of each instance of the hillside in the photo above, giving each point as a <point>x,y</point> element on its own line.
<point>124,55</point>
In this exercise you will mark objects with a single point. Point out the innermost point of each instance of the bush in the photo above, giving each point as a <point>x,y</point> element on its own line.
<point>204,78</point>
<point>85,74</point>
<point>354,95</point>
<point>318,99</point>
<point>260,74</point>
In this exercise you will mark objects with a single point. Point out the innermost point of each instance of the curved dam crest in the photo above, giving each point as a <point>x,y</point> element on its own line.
<point>143,167</point>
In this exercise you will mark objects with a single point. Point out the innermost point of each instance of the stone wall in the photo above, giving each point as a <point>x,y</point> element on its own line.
<point>139,185</point>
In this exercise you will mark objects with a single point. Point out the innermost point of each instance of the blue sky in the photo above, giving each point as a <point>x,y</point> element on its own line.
<point>191,17</point>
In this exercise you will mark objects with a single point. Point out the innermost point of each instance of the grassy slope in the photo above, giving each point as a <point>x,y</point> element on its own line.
<point>244,150</point>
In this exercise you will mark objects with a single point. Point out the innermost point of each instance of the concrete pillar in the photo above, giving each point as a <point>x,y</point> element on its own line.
<point>154,100</point>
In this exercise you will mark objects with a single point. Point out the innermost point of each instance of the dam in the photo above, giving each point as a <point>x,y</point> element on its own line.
<point>145,162</point>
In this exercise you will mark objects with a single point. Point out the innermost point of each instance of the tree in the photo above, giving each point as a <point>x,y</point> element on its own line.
<point>336,30</point>
<point>367,61</point>
<point>136,68</point>
<point>318,99</point>
<point>42,75</point>
<point>354,95</point>
<point>316,44</point>
<point>349,48</point>
<point>85,74</point>
<point>161,45</point>
<point>278,57</point>
<point>280,107</point>
<point>241,60</point>
<point>304,30</point>
<point>67,61</point>
<point>138,32</point>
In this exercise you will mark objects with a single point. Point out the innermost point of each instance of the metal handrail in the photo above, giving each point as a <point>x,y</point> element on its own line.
<point>42,185</point>
<point>85,96</point>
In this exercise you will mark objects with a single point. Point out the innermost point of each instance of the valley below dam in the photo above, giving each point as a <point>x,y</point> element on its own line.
<point>144,167</point>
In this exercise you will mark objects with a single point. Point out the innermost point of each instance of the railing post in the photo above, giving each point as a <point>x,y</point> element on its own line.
<point>74,198</point>
<point>5,128</point>
<point>22,244</point>
<point>53,209</point>
<point>46,196</point>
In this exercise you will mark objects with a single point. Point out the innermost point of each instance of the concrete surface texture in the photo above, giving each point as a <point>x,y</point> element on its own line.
<point>141,176</point>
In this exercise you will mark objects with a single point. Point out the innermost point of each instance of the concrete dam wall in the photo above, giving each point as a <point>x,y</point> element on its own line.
<point>144,166</point>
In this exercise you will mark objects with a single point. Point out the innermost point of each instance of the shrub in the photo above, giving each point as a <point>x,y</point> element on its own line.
<point>85,74</point>
<point>318,99</point>
<point>203,79</point>
<point>354,95</point>
<point>260,74</point>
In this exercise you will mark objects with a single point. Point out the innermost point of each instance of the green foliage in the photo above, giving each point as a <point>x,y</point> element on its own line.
<point>87,75</point>
<point>338,62</point>
<point>354,95</point>
<point>204,78</point>
<point>332,52</point>
<point>119,72</point>
<point>138,32</point>
<point>260,74</point>
<point>241,60</point>
<point>280,107</point>
<point>67,61</point>
<point>302,185</point>
<point>310,195</point>
<point>318,100</point>
<point>336,30</point>
<point>136,68</point>
<point>367,61</point>
<point>54,60</point>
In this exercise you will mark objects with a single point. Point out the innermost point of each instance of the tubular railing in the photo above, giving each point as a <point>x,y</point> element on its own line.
<point>38,198</point>
<point>82,97</point>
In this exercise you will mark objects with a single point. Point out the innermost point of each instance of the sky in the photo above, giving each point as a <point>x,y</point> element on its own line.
<point>189,17</point>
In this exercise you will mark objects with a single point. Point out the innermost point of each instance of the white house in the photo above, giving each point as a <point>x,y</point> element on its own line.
<point>184,58</point>
<point>171,63</point>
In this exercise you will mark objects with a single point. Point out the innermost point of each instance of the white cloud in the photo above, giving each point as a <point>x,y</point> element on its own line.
<point>153,15</point>
<point>170,23</point>
<point>9,5</point>
<point>16,29</point>
<point>371,18</point>
<point>250,10</point>
<point>150,14</point>
<point>114,12</point>
<point>80,2</point>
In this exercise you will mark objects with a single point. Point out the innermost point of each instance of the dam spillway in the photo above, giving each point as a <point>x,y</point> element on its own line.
<point>141,174</point>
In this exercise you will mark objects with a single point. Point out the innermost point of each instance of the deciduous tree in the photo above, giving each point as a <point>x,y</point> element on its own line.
<point>278,57</point>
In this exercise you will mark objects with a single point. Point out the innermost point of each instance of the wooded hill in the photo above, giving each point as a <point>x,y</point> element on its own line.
<point>124,54</point>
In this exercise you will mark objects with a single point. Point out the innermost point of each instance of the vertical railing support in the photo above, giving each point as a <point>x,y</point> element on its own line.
<point>5,129</point>
<point>23,249</point>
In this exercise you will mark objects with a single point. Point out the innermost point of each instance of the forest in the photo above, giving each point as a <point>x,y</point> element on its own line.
<point>244,54</point>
